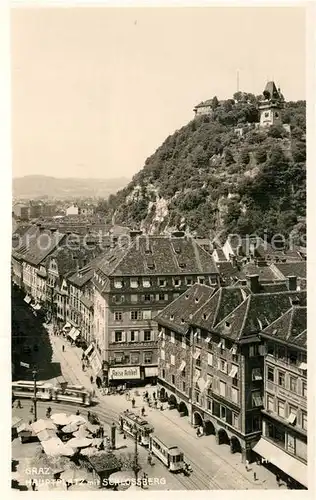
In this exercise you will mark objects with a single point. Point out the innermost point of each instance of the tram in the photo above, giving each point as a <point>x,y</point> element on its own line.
<point>25,389</point>
<point>129,422</point>
<point>49,392</point>
<point>170,456</point>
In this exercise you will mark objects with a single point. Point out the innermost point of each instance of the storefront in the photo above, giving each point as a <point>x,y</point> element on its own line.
<point>124,374</point>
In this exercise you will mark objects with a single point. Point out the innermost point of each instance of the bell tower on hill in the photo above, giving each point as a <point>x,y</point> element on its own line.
<point>271,105</point>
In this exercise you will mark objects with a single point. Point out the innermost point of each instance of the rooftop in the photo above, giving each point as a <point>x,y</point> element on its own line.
<point>291,327</point>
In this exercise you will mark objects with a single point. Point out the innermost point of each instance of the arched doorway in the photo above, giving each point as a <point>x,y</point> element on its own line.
<point>183,409</point>
<point>222,437</point>
<point>197,420</point>
<point>209,428</point>
<point>163,396</point>
<point>172,401</point>
<point>235,446</point>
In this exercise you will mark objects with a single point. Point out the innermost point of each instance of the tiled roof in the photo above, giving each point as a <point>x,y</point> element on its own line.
<point>290,327</point>
<point>257,312</point>
<point>208,102</point>
<point>177,315</point>
<point>265,273</point>
<point>36,245</point>
<point>86,273</point>
<point>158,255</point>
<point>69,258</point>
<point>224,300</point>
<point>271,88</point>
<point>297,269</point>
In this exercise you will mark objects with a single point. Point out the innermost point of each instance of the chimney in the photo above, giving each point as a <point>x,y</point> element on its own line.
<point>291,283</point>
<point>253,283</point>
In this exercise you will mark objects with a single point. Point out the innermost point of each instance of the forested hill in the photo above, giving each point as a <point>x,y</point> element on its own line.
<point>209,176</point>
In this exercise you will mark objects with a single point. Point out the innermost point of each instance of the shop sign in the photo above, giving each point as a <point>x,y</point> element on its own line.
<point>125,372</point>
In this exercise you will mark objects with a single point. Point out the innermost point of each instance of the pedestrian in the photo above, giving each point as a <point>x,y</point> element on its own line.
<point>247,465</point>
<point>63,348</point>
<point>31,409</point>
<point>149,458</point>
<point>197,432</point>
<point>146,395</point>
<point>91,379</point>
<point>277,477</point>
<point>124,436</point>
<point>255,476</point>
<point>33,485</point>
<point>201,430</point>
<point>133,403</point>
<point>102,431</point>
<point>143,411</point>
<point>89,415</point>
<point>155,404</point>
<point>82,367</point>
<point>154,395</point>
<point>18,404</point>
<point>161,407</point>
<point>77,412</point>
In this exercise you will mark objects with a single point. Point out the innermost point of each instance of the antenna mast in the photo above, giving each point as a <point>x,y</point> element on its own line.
<point>237,81</point>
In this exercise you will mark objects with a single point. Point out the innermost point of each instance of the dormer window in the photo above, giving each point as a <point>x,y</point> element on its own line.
<point>177,282</point>
<point>196,300</point>
<point>161,282</point>
<point>118,283</point>
<point>171,317</point>
<point>201,280</point>
<point>134,283</point>
<point>182,321</point>
<point>204,316</point>
<point>227,324</point>
<point>146,283</point>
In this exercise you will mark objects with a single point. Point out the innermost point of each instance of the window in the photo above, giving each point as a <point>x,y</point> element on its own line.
<point>197,397</point>
<point>134,358</point>
<point>147,335</point>
<point>292,415</point>
<point>118,357</point>
<point>222,365</point>
<point>293,384</point>
<point>270,373</point>
<point>148,357</point>
<point>134,335</point>
<point>172,359</point>
<point>134,298</point>
<point>201,280</point>
<point>223,413</point>
<point>134,283</point>
<point>163,373</point>
<point>146,282</point>
<point>147,297</point>
<point>281,379</point>
<point>162,354</point>
<point>292,355</point>
<point>177,282</point>
<point>210,359</point>
<point>304,420</point>
<point>118,336</point>
<point>256,399</point>
<point>173,379</point>
<point>281,408</point>
<point>222,388</point>
<point>281,352</point>
<point>256,374</point>
<point>253,350</point>
<point>172,337</point>
<point>161,282</point>
<point>118,283</point>
<point>161,297</point>
<point>135,315</point>
<point>235,420</point>
<point>304,389</point>
<point>183,386</point>
<point>146,314</point>
<point>188,281</point>
<point>119,299</point>
<point>266,115</point>
<point>270,348</point>
<point>270,403</point>
<point>234,395</point>
<point>118,316</point>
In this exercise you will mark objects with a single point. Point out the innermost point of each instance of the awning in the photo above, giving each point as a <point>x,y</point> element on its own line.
<point>74,333</point>
<point>233,372</point>
<point>182,366</point>
<point>89,350</point>
<point>67,325</point>
<point>27,299</point>
<point>151,371</point>
<point>197,354</point>
<point>303,366</point>
<point>290,465</point>
<point>291,418</point>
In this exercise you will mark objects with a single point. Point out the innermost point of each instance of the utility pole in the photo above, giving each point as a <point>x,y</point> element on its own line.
<point>136,466</point>
<point>35,400</point>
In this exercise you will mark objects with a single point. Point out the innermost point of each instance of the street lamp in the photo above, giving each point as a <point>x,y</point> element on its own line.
<point>136,467</point>
<point>34,372</point>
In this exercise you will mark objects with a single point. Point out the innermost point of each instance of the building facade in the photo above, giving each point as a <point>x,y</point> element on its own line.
<point>132,285</point>
<point>270,108</point>
<point>284,426</point>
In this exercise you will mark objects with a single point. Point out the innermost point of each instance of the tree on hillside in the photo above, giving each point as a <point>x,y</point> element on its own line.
<point>215,103</point>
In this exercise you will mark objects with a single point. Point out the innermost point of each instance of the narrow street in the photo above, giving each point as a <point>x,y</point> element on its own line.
<point>222,470</point>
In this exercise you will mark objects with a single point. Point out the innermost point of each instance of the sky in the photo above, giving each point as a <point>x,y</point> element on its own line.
<point>95,91</point>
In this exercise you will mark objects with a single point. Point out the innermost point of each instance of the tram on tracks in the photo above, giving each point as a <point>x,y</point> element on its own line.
<point>129,423</point>
<point>49,392</point>
<point>170,455</point>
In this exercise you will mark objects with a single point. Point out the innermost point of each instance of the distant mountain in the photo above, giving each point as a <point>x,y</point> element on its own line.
<point>39,186</point>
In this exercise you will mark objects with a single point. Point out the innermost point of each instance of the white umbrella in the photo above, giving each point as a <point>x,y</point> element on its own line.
<point>68,451</point>
<point>46,434</point>
<point>79,442</point>
<point>60,419</point>
<point>122,477</point>
<point>88,452</point>
<point>42,425</point>
<point>70,428</point>
<point>77,419</point>
<point>81,432</point>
